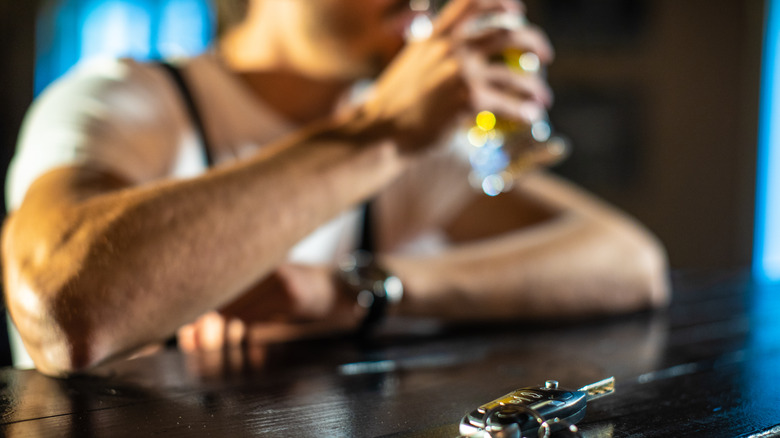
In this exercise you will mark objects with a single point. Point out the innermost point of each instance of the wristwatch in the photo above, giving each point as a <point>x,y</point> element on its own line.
<point>372,287</point>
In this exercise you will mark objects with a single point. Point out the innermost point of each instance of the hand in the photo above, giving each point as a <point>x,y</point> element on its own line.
<point>435,81</point>
<point>295,301</point>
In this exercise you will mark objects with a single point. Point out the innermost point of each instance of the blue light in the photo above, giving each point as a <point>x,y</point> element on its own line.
<point>766,254</point>
<point>185,28</point>
<point>70,31</point>
<point>114,28</point>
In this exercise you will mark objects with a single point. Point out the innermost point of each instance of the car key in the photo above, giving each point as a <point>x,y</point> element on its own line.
<point>521,412</point>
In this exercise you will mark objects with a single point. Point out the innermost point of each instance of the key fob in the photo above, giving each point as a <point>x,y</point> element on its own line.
<point>508,411</point>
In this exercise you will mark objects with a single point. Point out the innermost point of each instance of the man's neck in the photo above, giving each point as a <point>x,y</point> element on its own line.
<point>271,74</point>
<point>298,98</point>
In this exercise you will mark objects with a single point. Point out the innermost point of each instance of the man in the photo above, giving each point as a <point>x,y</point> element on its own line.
<point>119,237</point>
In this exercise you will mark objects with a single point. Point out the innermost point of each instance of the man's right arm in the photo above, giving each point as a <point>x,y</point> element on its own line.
<point>95,268</point>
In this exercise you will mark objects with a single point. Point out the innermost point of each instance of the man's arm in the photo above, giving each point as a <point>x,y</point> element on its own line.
<point>546,249</point>
<point>95,268</point>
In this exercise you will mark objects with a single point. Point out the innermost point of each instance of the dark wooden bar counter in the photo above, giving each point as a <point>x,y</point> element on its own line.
<point>708,366</point>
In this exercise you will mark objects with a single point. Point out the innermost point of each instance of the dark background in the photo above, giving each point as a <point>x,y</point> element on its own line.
<point>660,99</point>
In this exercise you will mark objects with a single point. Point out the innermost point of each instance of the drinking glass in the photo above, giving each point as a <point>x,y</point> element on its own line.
<point>500,151</point>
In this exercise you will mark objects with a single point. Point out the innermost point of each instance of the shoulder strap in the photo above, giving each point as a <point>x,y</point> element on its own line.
<point>192,109</point>
<point>367,236</point>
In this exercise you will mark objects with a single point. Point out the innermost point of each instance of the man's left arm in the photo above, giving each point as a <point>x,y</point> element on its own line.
<point>547,248</point>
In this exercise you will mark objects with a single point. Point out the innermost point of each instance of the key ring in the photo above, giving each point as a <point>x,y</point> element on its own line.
<point>545,428</point>
<point>509,412</point>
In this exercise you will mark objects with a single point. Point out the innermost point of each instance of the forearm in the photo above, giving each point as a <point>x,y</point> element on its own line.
<point>567,270</point>
<point>91,278</point>
<point>580,258</point>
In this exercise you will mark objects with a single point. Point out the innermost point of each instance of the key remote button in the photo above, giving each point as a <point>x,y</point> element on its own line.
<point>565,396</point>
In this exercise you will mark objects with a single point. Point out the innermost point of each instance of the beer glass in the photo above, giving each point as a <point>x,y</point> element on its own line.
<point>500,151</point>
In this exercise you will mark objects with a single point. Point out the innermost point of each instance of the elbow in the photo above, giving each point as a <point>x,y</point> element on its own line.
<point>55,324</point>
<point>632,271</point>
<point>66,354</point>
<point>646,272</point>
<point>61,357</point>
<point>58,337</point>
<point>56,352</point>
<point>653,282</point>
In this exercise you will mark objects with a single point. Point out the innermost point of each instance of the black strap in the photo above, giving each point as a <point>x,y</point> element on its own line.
<point>192,109</point>
<point>367,241</point>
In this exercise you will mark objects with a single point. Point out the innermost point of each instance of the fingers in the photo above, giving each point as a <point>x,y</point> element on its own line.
<point>185,338</point>
<point>508,107</point>
<point>482,30</point>
<point>218,363</point>
<point>509,94</point>
<point>211,331</point>
<point>457,12</point>
<point>216,345</point>
<point>235,332</point>
<point>529,87</point>
<point>527,38</point>
<point>294,293</point>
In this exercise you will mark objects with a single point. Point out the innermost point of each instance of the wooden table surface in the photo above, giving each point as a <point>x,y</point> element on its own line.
<point>708,366</point>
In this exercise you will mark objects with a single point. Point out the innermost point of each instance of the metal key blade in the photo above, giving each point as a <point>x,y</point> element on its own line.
<point>599,389</point>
